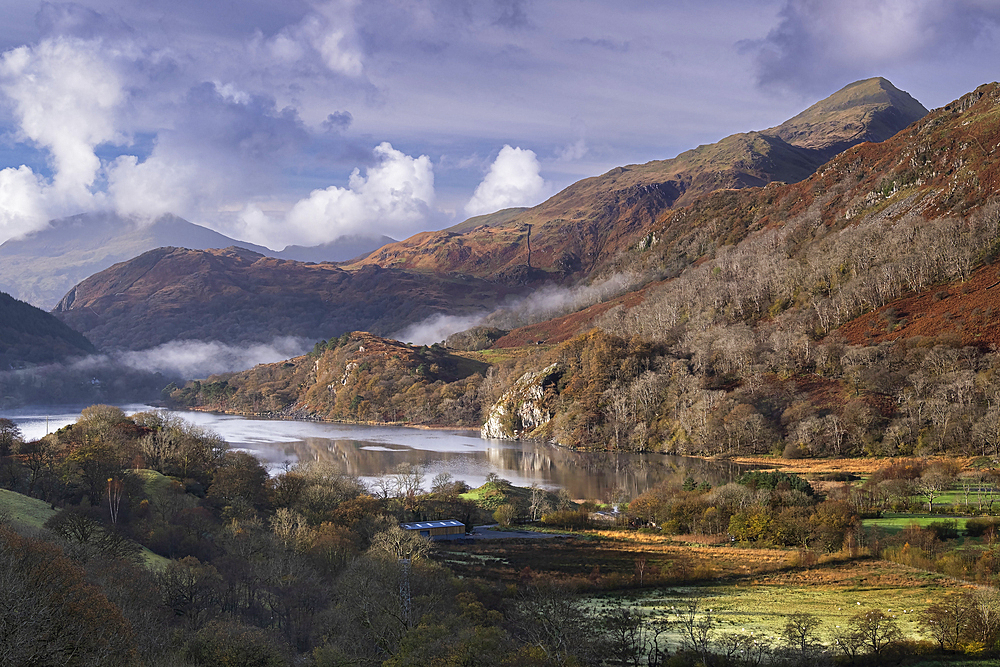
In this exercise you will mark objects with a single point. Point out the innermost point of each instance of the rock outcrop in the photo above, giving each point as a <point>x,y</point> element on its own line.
<point>523,410</point>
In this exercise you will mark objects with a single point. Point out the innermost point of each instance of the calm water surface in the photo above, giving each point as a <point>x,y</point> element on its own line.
<point>370,451</point>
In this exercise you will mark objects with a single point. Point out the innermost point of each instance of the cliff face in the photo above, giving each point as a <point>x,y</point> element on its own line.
<point>523,410</point>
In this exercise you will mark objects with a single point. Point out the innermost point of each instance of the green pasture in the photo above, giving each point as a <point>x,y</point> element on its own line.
<point>29,512</point>
<point>33,513</point>
<point>894,523</point>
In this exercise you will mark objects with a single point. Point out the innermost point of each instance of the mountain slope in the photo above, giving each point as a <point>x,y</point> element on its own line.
<point>854,313</point>
<point>575,232</point>
<point>238,296</point>
<point>32,336</point>
<point>41,267</point>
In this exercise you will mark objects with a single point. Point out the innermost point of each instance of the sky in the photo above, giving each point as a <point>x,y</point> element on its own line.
<point>299,121</point>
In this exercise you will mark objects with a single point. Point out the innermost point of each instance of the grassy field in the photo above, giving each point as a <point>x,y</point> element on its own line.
<point>33,513</point>
<point>29,512</point>
<point>748,590</point>
<point>834,593</point>
<point>894,523</point>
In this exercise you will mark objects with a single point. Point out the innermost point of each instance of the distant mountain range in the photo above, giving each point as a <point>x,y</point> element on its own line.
<point>42,266</point>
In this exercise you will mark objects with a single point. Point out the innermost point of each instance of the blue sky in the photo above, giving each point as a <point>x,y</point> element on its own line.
<point>300,121</point>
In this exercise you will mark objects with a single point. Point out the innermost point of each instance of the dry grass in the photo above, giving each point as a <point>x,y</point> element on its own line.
<point>810,467</point>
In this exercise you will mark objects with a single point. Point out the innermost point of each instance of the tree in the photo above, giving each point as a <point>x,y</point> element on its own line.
<point>10,436</point>
<point>49,615</point>
<point>397,542</point>
<point>874,630</point>
<point>800,636</point>
<point>949,621</point>
<point>634,637</point>
<point>935,480</point>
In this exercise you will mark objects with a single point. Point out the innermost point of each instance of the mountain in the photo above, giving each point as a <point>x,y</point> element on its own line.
<point>342,249</point>
<point>42,266</point>
<point>31,336</point>
<point>236,296</point>
<point>575,233</point>
<point>851,314</point>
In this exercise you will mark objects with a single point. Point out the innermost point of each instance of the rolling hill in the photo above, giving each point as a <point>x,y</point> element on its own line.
<point>30,336</point>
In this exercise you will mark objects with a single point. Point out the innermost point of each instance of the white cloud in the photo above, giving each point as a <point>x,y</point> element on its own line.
<point>393,197</point>
<point>22,207</point>
<point>329,32</point>
<point>819,42</point>
<point>66,94</point>
<point>154,187</point>
<point>513,180</point>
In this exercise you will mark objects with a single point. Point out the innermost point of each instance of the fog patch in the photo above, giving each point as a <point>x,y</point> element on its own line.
<point>198,359</point>
<point>543,304</point>
<point>437,327</point>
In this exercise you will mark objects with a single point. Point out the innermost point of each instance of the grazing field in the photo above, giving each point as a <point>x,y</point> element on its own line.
<point>608,559</point>
<point>894,523</point>
<point>24,510</point>
<point>834,592</point>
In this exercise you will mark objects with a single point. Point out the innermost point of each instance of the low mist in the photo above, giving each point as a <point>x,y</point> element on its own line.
<point>543,304</point>
<point>191,359</point>
<point>137,376</point>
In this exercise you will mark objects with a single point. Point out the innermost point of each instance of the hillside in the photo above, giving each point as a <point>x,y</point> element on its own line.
<point>577,231</point>
<point>356,377</point>
<point>42,266</point>
<point>238,296</point>
<point>31,336</point>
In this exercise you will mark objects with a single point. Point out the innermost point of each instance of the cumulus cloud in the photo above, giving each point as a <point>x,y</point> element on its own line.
<point>817,43</point>
<point>224,145</point>
<point>22,202</point>
<point>513,180</point>
<point>66,95</point>
<point>393,196</point>
<point>327,32</point>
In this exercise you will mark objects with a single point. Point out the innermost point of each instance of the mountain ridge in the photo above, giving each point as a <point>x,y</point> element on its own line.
<point>599,216</point>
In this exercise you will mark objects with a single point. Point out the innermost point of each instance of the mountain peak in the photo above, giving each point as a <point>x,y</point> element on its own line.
<point>867,110</point>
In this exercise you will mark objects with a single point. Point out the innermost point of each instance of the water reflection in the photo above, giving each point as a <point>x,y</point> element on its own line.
<point>370,451</point>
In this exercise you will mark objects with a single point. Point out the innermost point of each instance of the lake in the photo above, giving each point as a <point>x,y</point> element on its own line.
<point>369,451</point>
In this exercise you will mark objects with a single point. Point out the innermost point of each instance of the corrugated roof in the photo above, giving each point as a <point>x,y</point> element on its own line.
<point>425,525</point>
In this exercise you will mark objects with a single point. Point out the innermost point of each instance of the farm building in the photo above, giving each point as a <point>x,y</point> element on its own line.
<point>446,529</point>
